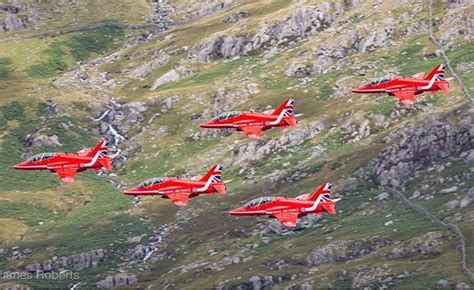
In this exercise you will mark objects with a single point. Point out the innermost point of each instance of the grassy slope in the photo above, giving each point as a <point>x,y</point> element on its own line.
<point>104,221</point>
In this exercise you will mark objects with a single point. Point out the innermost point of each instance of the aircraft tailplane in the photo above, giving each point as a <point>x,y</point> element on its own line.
<point>438,72</point>
<point>100,147</point>
<point>215,173</point>
<point>285,108</point>
<point>324,189</point>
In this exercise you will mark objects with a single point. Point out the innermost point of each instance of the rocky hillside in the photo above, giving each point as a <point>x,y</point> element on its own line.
<point>145,74</point>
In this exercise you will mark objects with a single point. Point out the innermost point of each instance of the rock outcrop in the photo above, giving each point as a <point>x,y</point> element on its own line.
<point>259,149</point>
<point>343,250</point>
<point>171,76</point>
<point>117,281</point>
<point>303,21</point>
<point>427,244</point>
<point>80,261</point>
<point>118,119</point>
<point>416,146</point>
<point>19,15</point>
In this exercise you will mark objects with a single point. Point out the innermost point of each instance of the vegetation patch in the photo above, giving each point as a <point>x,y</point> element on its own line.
<point>54,63</point>
<point>5,68</point>
<point>97,41</point>
<point>79,46</point>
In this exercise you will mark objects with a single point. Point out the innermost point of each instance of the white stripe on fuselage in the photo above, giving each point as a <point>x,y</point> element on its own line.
<point>315,205</point>
<point>93,161</point>
<point>430,84</point>
<point>206,186</point>
<point>278,120</point>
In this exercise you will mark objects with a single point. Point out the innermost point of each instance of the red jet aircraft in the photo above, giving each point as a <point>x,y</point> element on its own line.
<point>288,210</point>
<point>180,190</point>
<point>66,165</point>
<point>253,124</point>
<point>405,89</point>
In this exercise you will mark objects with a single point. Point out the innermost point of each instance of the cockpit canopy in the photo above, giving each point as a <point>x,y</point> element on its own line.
<point>258,201</point>
<point>379,80</point>
<point>227,115</point>
<point>41,157</point>
<point>151,181</point>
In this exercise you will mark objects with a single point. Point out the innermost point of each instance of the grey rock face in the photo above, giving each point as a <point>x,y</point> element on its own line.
<point>382,276</point>
<point>443,283</point>
<point>195,10</point>
<point>171,76</point>
<point>118,119</point>
<point>417,146</point>
<point>259,149</point>
<point>298,70</point>
<point>344,250</point>
<point>80,261</point>
<point>424,245</point>
<point>44,140</point>
<point>304,21</point>
<point>144,69</point>
<point>117,281</point>
<point>138,253</point>
<point>258,282</point>
<point>13,20</point>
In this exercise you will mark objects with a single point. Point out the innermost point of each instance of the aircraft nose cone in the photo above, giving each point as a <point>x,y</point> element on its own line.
<point>205,124</point>
<point>20,165</point>
<point>236,211</point>
<point>130,191</point>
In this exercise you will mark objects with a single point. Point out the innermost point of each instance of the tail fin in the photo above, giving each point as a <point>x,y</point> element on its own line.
<point>99,148</point>
<point>324,189</point>
<point>215,173</point>
<point>437,72</point>
<point>285,108</point>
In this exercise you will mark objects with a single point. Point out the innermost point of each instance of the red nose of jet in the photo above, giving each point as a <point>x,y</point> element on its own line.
<point>21,165</point>
<point>207,124</point>
<point>237,211</point>
<point>360,89</point>
<point>131,191</point>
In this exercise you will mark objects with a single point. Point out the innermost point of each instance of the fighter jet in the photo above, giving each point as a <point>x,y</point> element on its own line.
<point>253,124</point>
<point>66,165</point>
<point>288,210</point>
<point>405,88</point>
<point>180,190</point>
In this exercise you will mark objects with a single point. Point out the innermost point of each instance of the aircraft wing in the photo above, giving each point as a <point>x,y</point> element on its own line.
<point>287,219</point>
<point>66,174</point>
<point>406,97</point>
<point>180,199</point>
<point>252,131</point>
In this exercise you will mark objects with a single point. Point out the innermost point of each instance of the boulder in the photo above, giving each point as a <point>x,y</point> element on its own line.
<point>117,281</point>
<point>443,283</point>
<point>424,245</point>
<point>76,262</point>
<point>343,250</point>
<point>171,76</point>
<point>44,140</point>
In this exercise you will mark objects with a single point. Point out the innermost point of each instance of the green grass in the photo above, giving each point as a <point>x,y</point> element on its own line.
<point>13,111</point>
<point>384,105</point>
<point>54,63</point>
<point>5,68</point>
<point>29,213</point>
<point>206,77</point>
<point>79,46</point>
<point>408,53</point>
<point>97,41</point>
